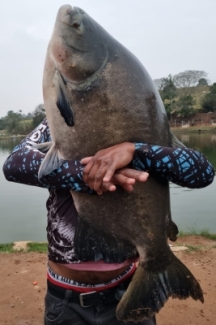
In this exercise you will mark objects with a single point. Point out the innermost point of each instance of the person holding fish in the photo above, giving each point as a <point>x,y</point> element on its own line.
<point>106,155</point>
<point>88,291</point>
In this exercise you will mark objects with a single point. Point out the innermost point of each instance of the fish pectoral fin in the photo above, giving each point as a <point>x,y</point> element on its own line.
<point>150,289</point>
<point>62,101</point>
<point>43,147</point>
<point>176,142</point>
<point>51,162</point>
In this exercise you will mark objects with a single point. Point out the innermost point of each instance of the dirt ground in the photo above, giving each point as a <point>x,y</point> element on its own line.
<point>23,286</point>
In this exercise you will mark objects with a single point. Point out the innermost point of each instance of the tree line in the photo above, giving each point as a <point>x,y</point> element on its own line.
<point>19,123</point>
<point>178,93</point>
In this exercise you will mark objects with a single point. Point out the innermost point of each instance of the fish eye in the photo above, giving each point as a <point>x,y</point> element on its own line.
<point>76,24</point>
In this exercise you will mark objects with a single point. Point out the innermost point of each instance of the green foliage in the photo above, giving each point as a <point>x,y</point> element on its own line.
<point>2,123</point>
<point>209,100</point>
<point>194,248</point>
<point>168,94</point>
<point>6,248</point>
<point>39,115</point>
<point>18,123</point>
<point>37,247</point>
<point>37,119</point>
<point>202,82</point>
<point>185,106</point>
<point>204,233</point>
<point>182,94</point>
<point>31,247</point>
<point>12,120</point>
<point>189,78</point>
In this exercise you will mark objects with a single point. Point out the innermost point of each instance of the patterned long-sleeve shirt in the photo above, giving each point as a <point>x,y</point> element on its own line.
<point>183,166</point>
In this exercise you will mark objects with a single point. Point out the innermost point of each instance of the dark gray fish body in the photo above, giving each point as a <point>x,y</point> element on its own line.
<point>98,94</point>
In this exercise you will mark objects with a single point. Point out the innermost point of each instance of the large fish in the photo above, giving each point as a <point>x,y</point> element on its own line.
<point>97,94</point>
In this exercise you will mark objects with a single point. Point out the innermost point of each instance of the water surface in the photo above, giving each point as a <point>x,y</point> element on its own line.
<point>23,211</point>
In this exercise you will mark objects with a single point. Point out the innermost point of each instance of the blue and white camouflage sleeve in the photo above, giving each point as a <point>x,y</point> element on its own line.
<point>183,166</point>
<point>23,164</point>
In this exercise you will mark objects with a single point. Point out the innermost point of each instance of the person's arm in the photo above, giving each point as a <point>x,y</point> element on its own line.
<point>183,166</point>
<point>23,164</point>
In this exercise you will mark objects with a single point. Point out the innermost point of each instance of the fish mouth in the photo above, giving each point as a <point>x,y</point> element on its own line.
<point>65,17</point>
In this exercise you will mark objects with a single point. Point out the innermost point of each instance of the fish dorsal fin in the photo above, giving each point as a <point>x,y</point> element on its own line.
<point>51,162</point>
<point>62,100</point>
<point>176,142</point>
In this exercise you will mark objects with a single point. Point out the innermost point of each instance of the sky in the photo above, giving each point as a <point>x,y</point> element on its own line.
<point>167,36</point>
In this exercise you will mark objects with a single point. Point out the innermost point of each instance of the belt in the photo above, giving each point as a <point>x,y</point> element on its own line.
<point>89,299</point>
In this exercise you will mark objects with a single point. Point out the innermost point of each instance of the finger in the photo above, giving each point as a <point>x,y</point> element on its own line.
<point>121,179</point>
<point>85,160</point>
<point>128,188</point>
<point>108,187</point>
<point>109,172</point>
<point>136,174</point>
<point>86,170</point>
<point>96,174</point>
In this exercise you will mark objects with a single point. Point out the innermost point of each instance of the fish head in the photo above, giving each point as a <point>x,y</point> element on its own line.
<point>77,46</point>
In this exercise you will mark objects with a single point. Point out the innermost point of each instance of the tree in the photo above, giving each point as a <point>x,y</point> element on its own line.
<point>185,106</point>
<point>168,94</point>
<point>209,100</point>
<point>12,120</point>
<point>160,83</point>
<point>189,78</point>
<point>203,82</point>
<point>2,123</point>
<point>38,115</point>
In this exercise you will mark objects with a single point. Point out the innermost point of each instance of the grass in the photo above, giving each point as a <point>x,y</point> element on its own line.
<point>43,247</point>
<point>6,248</point>
<point>194,232</point>
<point>31,247</point>
<point>192,248</point>
<point>37,247</point>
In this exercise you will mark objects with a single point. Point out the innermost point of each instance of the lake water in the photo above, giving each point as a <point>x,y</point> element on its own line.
<point>23,211</point>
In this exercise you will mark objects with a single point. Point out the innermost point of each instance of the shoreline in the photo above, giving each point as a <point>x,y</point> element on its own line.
<point>178,245</point>
<point>193,129</point>
<point>12,136</point>
<point>184,129</point>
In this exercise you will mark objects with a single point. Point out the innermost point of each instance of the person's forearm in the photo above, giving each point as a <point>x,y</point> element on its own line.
<point>183,166</point>
<point>23,164</point>
<point>22,167</point>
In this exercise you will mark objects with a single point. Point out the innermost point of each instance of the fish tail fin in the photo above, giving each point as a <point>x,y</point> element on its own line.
<point>51,161</point>
<point>149,290</point>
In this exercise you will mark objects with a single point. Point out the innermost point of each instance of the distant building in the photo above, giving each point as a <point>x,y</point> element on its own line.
<point>195,120</point>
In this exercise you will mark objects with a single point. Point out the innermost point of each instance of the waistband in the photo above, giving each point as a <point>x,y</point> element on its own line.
<point>92,298</point>
<point>66,283</point>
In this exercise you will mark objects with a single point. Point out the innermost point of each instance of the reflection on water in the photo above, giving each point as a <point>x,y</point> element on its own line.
<point>7,145</point>
<point>23,212</point>
<point>204,142</point>
<point>22,207</point>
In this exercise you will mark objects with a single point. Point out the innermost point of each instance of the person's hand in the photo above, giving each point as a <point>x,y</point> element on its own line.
<point>124,177</point>
<point>102,166</point>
